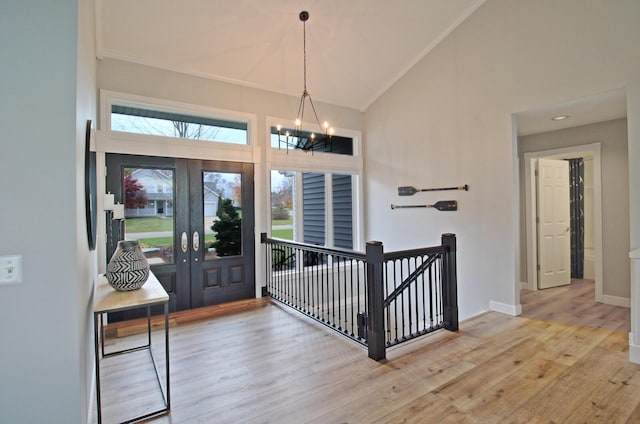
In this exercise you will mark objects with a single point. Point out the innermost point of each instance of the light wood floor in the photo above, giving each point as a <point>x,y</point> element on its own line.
<point>271,365</point>
<point>574,304</point>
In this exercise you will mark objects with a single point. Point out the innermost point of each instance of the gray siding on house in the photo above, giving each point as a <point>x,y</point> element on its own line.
<point>342,211</point>
<point>313,207</point>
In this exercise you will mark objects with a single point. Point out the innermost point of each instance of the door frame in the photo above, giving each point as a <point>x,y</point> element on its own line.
<point>592,150</point>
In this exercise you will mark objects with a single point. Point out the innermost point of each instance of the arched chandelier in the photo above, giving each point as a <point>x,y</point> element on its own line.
<point>297,138</point>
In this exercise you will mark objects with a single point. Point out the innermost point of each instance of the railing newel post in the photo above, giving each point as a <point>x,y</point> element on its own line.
<point>375,301</point>
<point>450,283</point>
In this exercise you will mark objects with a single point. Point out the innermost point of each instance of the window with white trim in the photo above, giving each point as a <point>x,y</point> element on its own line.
<point>284,139</point>
<point>313,207</point>
<point>140,120</point>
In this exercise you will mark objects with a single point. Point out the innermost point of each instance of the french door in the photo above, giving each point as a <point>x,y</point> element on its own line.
<point>194,221</point>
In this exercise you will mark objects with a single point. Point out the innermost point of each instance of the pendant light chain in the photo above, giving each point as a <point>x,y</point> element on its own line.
<point>304,49</point>
<point>297,140</point>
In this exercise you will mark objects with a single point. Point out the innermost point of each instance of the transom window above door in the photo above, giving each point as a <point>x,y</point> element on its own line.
<point>169,124</point>
<point>284,138</point>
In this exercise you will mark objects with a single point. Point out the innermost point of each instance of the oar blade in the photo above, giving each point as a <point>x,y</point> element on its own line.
<point>446,205</point>
<point>407,191</point>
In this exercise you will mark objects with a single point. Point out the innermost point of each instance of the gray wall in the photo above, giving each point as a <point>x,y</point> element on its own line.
<point>615,194</point>
<point>46,93</point>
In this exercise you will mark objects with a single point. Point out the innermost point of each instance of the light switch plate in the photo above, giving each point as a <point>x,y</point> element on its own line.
<point>11,269</point>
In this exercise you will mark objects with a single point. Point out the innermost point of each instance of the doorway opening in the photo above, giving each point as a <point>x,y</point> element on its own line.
<point>593,213</point>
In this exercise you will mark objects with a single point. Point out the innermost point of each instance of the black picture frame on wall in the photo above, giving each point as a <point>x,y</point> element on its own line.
<point>90,188</point>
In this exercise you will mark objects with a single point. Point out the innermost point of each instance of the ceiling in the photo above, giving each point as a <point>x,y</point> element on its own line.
<point>587,110</point>
<point>356,49</point>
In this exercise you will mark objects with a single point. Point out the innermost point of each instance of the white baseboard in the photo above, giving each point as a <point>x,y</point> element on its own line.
<point>616,301</point>
<point>513,310</point>
<point>524,285</point>
<point>634,351</point>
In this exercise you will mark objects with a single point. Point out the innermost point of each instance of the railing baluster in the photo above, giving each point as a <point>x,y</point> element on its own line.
<point>416,288</point>
<point>401,312</point>
<point>432,273</point>
<point>325,292</point>
<point>424,305</point>
<point>353,317</point>
<point>387,307</point>
<point>395,305</point>
<point>337,275</point>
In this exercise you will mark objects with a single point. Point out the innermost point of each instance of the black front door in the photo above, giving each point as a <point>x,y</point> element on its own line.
<point>194,220</point>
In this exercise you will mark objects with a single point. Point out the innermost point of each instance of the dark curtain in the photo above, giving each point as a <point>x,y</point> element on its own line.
<point>576,199</point>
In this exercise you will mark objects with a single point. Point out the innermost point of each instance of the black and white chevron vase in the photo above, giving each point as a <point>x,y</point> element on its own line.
<point>128,269</point>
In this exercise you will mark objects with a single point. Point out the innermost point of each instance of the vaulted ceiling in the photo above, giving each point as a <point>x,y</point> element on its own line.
<point>356,49</point>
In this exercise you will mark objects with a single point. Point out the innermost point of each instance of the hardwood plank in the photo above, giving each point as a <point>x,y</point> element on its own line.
<point>497,401</point>
<point>562,397</point>
<point>524,416</point>
<point>431,407</point>
<point>613,400</point>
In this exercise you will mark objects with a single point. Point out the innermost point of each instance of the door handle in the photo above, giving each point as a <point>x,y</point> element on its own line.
<point>196,241</point>
<point>184,242</point>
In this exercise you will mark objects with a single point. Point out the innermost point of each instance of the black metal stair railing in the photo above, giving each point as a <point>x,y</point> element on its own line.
<point>326,284</point>
<point>375,298</point>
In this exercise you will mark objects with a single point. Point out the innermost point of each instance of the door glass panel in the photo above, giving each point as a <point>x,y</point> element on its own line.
<point>149,218</point>
<point>222,217</point>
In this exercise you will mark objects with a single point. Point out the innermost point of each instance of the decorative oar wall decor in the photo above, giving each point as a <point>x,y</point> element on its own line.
<point>410,191</point>
<point>442,205</point>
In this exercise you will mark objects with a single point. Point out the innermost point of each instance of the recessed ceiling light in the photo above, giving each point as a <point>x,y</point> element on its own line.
<point>559,117</point>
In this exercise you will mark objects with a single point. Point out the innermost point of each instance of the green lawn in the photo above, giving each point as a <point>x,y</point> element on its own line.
<point>283,234</point>
<point>147,224</point>
<point>156,241</point>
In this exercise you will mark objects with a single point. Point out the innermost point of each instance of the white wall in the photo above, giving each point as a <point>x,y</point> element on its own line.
<point>615,194</point>
<point>448,122</point>
<point>633,128</point>
<point>44,364</point>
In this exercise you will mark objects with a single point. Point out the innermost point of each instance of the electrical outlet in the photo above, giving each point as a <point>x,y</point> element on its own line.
<point>11,269</point>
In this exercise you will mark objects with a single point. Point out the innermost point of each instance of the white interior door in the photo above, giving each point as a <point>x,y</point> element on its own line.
<point>554,231</point>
